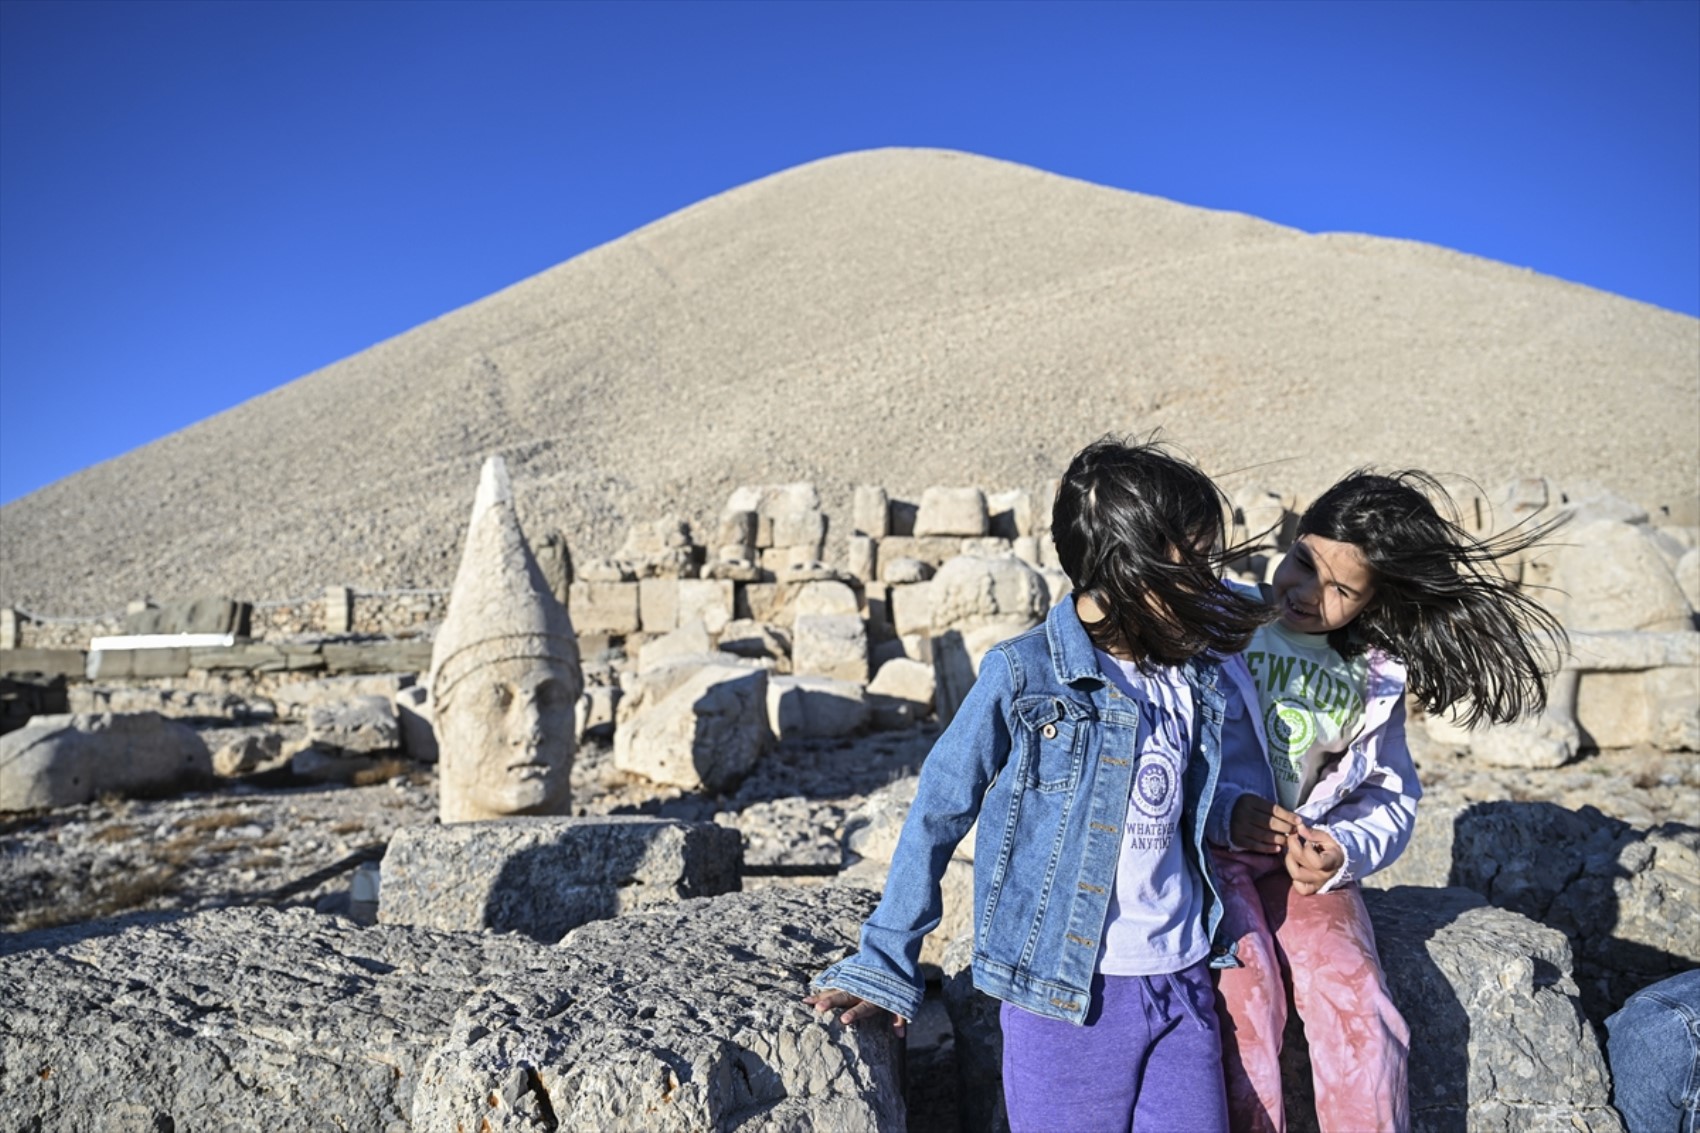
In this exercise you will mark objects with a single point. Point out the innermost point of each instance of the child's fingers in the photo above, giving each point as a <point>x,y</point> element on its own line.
<point>856,1008</point>
<point>831,1000</point>
<point>1259,838</point>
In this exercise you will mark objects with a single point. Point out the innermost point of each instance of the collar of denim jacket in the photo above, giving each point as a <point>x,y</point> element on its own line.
<point>1072,655</point>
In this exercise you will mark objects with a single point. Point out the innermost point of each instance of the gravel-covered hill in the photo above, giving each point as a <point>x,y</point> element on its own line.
<point>899,317</point>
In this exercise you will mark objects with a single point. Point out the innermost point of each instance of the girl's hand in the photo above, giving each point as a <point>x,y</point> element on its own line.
<point>1313,856</point>
<point>856,1009</point>
<point>1260,825</point>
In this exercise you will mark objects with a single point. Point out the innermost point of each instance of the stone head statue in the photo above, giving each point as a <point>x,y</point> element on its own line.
<point>505,677</point>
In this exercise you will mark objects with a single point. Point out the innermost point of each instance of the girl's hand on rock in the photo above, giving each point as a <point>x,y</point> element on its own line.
<point>855,1009</point>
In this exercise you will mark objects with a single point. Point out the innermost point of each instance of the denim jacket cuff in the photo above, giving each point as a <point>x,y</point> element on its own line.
<point>1218,828</point>
<point>901,998</point>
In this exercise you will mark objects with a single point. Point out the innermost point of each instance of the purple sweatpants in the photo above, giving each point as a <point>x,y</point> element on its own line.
<point>1148,1060</point>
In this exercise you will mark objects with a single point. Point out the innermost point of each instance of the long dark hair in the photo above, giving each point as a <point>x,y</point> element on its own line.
<point>1140,531</point>
<point>1465,632</point>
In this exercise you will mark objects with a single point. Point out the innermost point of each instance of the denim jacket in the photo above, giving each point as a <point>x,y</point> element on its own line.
<point>1041,753</point>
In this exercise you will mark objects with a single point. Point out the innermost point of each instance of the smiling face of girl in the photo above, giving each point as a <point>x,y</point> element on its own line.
<point>1322,585</point>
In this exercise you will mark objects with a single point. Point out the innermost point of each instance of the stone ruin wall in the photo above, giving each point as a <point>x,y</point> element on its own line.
<point>759,562</point>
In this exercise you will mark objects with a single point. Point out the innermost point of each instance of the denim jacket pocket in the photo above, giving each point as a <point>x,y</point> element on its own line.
<point>1053,739</point>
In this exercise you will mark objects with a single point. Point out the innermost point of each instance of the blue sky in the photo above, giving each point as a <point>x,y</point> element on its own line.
<point>202,201</point>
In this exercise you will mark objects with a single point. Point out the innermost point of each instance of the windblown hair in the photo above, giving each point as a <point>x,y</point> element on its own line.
<point>1140,531</point>
<point>1466,634</point>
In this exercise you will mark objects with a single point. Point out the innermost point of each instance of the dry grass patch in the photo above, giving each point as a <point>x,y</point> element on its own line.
<point>117,832</point>
<point>182,849</point>
<point>381,772</point>
<point>127,892</point>
<point>214,820</point>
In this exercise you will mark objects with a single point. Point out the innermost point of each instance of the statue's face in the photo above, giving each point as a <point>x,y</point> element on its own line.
<point>506,740</point>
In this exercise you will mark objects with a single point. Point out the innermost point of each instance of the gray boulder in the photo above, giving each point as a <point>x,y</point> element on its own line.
<point>815,707</point>
<point>68,759</point>
<point>1624,896</point>
<point>674,1019</point>
<point>696,727</point>
<point>543,877</point>
<point>361,726</point>
<point>255,1018</point>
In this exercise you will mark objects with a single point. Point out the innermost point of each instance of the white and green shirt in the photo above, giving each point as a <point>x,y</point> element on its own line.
<point>1312,703</point>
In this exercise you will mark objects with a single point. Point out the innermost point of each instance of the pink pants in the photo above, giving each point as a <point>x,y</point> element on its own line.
<point>1324,948</point>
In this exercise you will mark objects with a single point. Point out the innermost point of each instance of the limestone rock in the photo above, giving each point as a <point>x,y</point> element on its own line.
<point>825,599</point>
<point>658,604</point>
<point>1688,576</point>
<point>976,603</point>
<point>361,726</point>
<point>757,641</point>
<point>609,607</point>
<point>706,733</point>
<point>66,759</point>
<point>413,714</point>
<point>298,698</point>
<point>934,550</point>
<point>905,680</point>
<point>246,750</point>
<point>951,511</point>
<point>709,600</point>
<point>1009,515</point>
<point>860,555</point>
<point>912,608</point>
<point>597,711</point>
<point>691,639</point>
<point>1660,707</point>
<point>195,615</point>
<point>830,646</point>
<point>239,1018</point>
<point>969,592</point>
<point>870,511</point>
<point>900,572</point>
<point>1609,575</point>
<point>543,877</point>
<point>660,1022</point>
<point>1619,893</point>
<point>256,1018</point>
<point>1498,1039</point>
<point>815,707</point>
<point>661,548</point>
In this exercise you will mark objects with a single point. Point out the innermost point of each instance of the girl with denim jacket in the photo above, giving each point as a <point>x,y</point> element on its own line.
<point>1378,594</point>
<point>1088,750</point>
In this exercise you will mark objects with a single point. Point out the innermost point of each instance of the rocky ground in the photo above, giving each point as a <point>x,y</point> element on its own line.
<point>259,841</point>
<point>252,843</point>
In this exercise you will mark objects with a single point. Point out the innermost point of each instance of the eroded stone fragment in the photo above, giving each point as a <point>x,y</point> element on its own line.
<point>68,759</point>
<point>543,877</point>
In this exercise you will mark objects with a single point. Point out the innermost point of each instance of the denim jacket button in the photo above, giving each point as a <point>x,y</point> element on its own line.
<point>1049,731</point>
